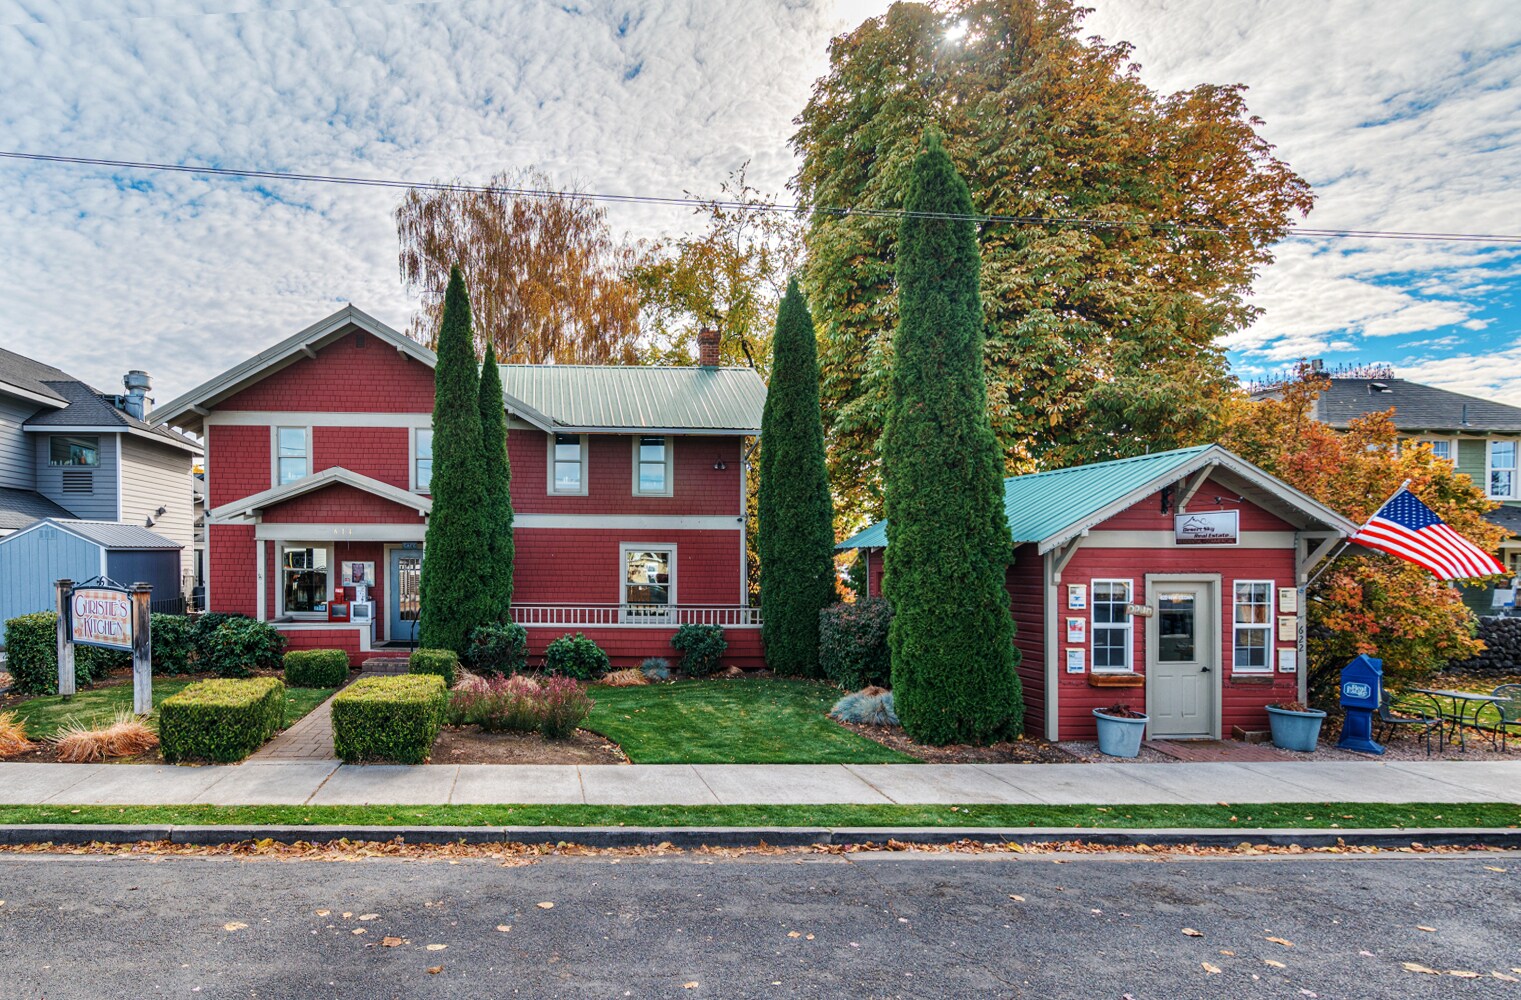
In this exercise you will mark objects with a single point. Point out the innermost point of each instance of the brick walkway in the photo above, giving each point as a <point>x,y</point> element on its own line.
<point>311,738</point>
<point>1216,751</point>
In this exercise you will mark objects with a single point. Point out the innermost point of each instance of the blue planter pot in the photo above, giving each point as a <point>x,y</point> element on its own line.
<point>1119,737</point>
<point>1295,730</point>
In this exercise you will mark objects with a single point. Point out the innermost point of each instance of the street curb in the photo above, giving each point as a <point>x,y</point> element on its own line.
<point>689,837</point>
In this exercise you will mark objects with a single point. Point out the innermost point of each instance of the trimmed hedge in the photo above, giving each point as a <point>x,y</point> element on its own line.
<point>389,718</point>
<point>316,668</point>
<point>498,648</point>
<point>577,657</point>
<point>31,655</point>
<point>239,646</point>
<point>173,646</point>
<point>221,720</point>
<point>853,643</point>
<point>703,646</point>
<point>439,662</point>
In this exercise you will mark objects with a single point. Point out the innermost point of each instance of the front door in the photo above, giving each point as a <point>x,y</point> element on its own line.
<point>1183,660</point>
<point>405,589</point>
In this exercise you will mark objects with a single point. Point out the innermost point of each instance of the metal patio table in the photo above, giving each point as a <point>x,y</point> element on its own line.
<point>1458,715</point>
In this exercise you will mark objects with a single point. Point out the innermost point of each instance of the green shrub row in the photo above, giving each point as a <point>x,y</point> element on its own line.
<point>316,668</point>
<point>31,655</point>
<point>437,662</point>
<point>221,720</point>
<point>704,646</point>
<point>576,657</point>
<point>389,718</point>
<point>238,646</point>
<point>498,648</point>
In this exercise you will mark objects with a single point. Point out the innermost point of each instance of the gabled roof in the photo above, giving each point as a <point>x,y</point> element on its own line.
<point>186,410</point>
<point>29,379</point>
<point>107,534</point>
<point>611,398</point>
<point>1051,508</point>
<point>87,409</point>
<point>1417,407</point>
<point>250,505</point>
<point>19,508</point>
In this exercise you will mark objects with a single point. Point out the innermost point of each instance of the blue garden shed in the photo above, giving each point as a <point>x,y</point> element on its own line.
<point>34,558</point>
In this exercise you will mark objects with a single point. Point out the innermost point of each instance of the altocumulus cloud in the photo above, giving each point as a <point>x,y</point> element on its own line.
<point>1404,115</point>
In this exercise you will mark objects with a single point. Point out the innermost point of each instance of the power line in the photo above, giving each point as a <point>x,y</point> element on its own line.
<point>743,206</point>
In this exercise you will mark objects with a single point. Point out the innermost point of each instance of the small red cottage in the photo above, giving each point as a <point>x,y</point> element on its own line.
<point>1173,582</point>
<point>626,481</point>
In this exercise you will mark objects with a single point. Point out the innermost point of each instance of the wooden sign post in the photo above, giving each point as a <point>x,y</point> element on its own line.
<point>142,651</point>
<point>65,641</point>
<point>106,614</point>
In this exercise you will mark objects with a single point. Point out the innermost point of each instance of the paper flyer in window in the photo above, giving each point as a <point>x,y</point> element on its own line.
<point>1077,629</point>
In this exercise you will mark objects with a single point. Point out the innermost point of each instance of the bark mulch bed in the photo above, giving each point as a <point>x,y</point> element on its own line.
<point>468,745</point>
<point>1020,751</point>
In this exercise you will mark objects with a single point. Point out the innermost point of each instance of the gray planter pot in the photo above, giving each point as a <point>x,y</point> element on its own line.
<point>1119,737</point>
<point>1295,730</point>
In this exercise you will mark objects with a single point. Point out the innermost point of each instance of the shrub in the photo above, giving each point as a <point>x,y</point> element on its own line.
<point>704,646</point>
<point>173,647</point>
<point>625,678</point>
<point>239,646</point>
<point>125,736</point>
<point>498,648</point>
<point>31,651</point>
<point>656,668</point>
<point>566,705</point>
<point>439,662</point>
<point>870,707</point>
<point>12,736</point>
<point>221,720</point>
<point>316,668</point>
<point>510,704</point>
<point>389,718</point>
<point>853,643</point>
<point>204,624</point>
<point>577,657</point>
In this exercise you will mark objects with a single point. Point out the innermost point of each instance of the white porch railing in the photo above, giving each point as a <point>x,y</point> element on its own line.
<point>650,615</point>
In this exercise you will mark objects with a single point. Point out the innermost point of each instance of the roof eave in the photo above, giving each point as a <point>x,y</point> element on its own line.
<point>32,396</point>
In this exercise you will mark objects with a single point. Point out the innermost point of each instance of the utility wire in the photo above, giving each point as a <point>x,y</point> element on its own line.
<point>743,206</point>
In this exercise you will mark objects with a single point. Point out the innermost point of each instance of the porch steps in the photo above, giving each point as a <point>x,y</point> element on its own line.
<point>384,665</point>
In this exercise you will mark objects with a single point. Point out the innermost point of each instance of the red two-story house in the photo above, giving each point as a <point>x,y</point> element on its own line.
<point>627,483</point>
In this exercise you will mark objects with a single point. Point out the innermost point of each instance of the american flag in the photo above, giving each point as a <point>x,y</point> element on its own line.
<point>1407,528</point>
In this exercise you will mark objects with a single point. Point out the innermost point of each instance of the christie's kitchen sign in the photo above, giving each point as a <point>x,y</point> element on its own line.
<point>1210,527</point>
<point>101,616</point>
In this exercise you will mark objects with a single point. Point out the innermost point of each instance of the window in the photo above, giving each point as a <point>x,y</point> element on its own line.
<point>1177,626</point>
<point>652,466</point>
<point>303,580</point>
<point>1440,448</point>
<point>1253,624</point>
<point>73,451</point>
<point>1111,625</point>
<point>649,582</point>
<point>567,464</point>
<point>1502,469</point>
<point>290,455</point>
<point>422,459</point>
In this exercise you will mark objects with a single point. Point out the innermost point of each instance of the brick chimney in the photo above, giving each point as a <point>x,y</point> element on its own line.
<point>707,348</point>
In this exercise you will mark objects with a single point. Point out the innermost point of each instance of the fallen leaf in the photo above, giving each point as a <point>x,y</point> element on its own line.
<point>1504,978</point>
<point>437,947</point>
<point>390,942</point>
<point>1213,970</point>
<point>1276,965</point>
<point>357,930</point>
<point>808,936</point>
<point>1423,927</point>
<point>369,916</point>
<point>1462,974</point>
<point>794,934</point>
<point>1192,933</point>
<point>1366,952</point>
<point>504,928</point>
<point>1488,868</point>
<point>1017,899</point>
<point>434,970</point>
<point>1417,967</point>
<point>1231,954</point>
<point>1279,940</point>
<point>546,906</point>
<point>689,986</point>
<point>234,926</point>
<point>323,913</point>
<point>347,915</point>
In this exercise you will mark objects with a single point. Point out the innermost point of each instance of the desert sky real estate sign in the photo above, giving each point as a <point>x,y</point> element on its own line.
<point>101,616</point>
<point>1210,527</point>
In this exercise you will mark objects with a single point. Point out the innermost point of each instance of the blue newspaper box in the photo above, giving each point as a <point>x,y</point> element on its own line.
<point>1362,685</point>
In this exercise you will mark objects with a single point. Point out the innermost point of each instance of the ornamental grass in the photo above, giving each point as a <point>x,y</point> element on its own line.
<point>125,736</point>
<point>12,735</point>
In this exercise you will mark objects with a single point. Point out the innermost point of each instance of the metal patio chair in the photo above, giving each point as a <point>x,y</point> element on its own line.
<point>1510,708</point>
<point>1388,721</point>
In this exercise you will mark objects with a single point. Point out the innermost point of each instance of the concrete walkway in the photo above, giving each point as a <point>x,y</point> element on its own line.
<point>331,783</point>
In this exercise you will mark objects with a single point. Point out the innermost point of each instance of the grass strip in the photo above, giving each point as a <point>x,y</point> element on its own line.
<point>44,715</point>
<point>1315,815</point>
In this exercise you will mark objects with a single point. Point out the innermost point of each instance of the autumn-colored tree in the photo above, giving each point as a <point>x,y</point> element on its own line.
<point>1102,330</point>
<point>548,280</point>
<point>1365,601</point>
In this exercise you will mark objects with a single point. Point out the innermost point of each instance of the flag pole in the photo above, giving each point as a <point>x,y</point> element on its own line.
<point>1326,564</point>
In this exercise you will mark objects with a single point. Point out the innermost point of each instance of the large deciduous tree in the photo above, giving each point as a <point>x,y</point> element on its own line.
<point>453,600</point>
<point>496,468</point>
<point>548,279</point>
<point>796,515</point>
<point>1102,333</point>
<point>948,547</point>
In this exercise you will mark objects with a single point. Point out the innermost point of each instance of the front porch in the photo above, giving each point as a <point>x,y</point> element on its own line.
<point>631,633</point>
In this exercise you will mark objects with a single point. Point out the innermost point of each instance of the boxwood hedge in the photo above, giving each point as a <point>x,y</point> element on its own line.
<point>442,662</point>
<point>316,668</point>
<point>394,718</point>
<point>221,720</point>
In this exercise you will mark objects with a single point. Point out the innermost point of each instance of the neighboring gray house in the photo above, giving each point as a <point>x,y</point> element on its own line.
<point>70,451</point>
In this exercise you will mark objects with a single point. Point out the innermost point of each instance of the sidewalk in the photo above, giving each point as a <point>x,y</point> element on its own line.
<point>331,783</point>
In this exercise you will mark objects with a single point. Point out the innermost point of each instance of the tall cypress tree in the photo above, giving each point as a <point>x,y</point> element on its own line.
<point>453,600</point>
<point>496,573</point>
<point>948,547</point>
<point>796,515</point>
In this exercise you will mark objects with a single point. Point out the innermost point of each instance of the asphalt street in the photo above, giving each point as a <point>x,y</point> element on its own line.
<point>889,925</point>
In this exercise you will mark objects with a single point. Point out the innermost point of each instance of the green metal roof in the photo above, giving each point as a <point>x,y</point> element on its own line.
<point>616,397</point>
<point>1047,507</point>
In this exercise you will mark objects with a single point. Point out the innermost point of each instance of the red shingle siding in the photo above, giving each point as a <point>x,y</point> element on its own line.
<point>347,640</point>
<point>344,378</point>
<point>698,488</point>
<point>378,452</point>
<point>341,504</point>
<point>239,463</point>
<point>584,566</point>
<point>230,568</point>
<point>628,647</point>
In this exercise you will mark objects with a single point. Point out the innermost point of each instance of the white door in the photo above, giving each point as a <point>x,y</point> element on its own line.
<point>1183,660</point>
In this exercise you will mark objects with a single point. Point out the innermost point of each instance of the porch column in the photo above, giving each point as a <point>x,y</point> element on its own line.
<point>263,552</point>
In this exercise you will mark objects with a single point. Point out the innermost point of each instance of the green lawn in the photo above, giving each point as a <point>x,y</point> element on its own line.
<point>45,715</point>
<point>740,721</point>
<point>1309,815</point>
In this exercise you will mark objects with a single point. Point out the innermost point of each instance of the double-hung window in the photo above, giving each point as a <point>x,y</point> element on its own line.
<point>1112,635</point>
<point>1440,448</point>
<point>567,464</point>
<point>422,459</point>
<point>303,580</point>
<point>1253,627</point>
<point>652,466</point>
<point>292,457</point>
<point>1502,470</point>
<point>649,582</point>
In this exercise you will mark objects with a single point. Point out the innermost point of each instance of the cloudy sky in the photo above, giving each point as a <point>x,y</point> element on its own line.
<point>1403,115</point>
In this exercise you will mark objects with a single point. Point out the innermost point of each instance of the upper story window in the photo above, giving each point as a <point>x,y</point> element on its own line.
<point>1112,643</point>
<point>567,464</point>
<point>1441,448</point>
<point>66,450</point>
<point>292,456</point>
<point>652,466</point>
<point>422,459</point>
<point>1502,470</point>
